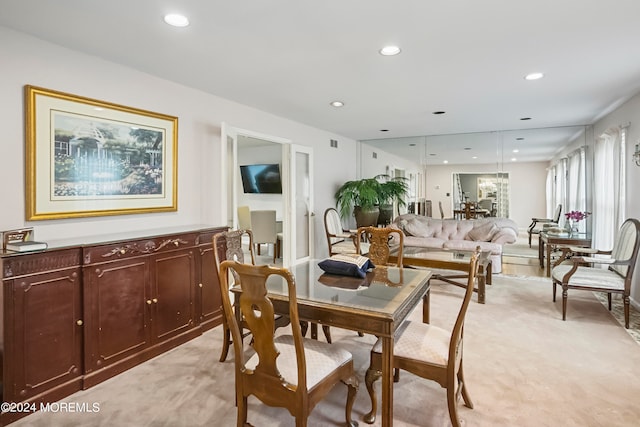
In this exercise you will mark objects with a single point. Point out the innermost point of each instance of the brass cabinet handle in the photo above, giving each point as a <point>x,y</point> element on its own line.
<point>155,300</point>
<point>200,285</point>
<point>149,302</point>
<point>79,322</point>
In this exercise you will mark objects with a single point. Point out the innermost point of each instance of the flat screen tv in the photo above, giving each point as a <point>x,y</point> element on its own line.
<point>261,179</point>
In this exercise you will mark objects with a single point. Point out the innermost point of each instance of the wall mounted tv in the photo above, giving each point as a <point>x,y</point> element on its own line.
<point>261,179</point>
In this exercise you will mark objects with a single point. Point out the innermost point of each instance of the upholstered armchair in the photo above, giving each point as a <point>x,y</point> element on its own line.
<point>546,222</point>
<point>586,272</point>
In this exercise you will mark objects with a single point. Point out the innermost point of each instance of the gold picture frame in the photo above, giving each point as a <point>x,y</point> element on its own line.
<point>86,157</point>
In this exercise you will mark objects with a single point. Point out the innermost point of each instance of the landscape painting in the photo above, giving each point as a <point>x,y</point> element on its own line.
<point>88,158</point>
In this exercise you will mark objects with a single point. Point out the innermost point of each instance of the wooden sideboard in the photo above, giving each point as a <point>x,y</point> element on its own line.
<point>77,314</point>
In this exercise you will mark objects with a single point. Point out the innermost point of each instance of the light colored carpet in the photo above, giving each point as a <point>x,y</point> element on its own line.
<point>524,367</point>
<point>521,247</point>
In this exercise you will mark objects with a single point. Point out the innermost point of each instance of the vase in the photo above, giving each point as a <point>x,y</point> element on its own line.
<point>573,226</point>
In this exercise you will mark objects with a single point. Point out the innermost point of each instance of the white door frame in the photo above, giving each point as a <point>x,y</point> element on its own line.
<point>230,182</point>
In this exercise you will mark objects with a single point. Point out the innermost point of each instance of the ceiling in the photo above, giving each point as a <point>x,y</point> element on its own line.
<point>292,58</point>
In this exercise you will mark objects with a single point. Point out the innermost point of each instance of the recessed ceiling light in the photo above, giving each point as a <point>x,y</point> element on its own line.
<point>467,148</point>
<point>474,157</point>
<point>445,161</point>
<point>98,108</point>
<point>390,50</point>
<point>176,20</point>
<point>534,76</point>
<point>525,118</point>
<point>520,139</point>
<point>337,104</point>
<point>513,159</point>
<point>412,145</point>
<point>438,112</point>
<point>516,151</point>
<point>432,154</point>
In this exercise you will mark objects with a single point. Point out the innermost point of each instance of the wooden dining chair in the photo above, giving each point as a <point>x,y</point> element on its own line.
<point>289,371</point>
<point>228,246</point>
<point>429,352</point>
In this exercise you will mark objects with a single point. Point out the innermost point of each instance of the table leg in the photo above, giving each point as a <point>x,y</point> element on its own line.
<point>548,260</point>
<point>541,251</point>
<point>481,283</point>
<point>489,271</point>
<point>387,381</point>
<point>426,301</point>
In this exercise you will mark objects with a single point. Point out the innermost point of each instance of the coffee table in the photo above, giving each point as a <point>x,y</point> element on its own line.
<point>448,262</point>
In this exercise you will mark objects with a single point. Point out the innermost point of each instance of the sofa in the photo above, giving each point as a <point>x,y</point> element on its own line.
<point>488,233</point>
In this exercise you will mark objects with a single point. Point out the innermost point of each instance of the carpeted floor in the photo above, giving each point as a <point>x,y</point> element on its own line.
<point>524,367</point>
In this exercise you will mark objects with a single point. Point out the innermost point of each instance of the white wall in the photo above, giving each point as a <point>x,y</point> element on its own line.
<point>526,188</point>
<point>27,60</point>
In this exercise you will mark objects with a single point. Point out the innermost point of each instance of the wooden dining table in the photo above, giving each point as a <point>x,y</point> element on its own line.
<point>376,304</point>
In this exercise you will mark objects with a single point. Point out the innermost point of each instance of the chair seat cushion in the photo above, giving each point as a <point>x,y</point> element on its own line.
<point>420,341</point>
<point>588,277</point>
<point>347,247</point>
<point>346,265</point>
<point>322,359</point>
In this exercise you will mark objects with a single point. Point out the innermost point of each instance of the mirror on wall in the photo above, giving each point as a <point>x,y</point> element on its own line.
<point>507,167</point>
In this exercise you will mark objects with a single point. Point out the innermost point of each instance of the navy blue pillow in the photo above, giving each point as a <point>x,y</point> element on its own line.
<point>346,265</point>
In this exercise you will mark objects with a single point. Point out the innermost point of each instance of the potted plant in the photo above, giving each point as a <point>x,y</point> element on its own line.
<point>361,197</point>
<point>392,190</point>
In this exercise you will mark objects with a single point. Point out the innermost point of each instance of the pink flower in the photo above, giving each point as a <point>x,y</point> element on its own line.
<point>577,215</point>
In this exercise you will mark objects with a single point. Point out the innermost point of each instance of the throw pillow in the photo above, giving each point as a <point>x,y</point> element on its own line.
<point>483,232</point>
<point>418,228</point>
<point>346,265</point>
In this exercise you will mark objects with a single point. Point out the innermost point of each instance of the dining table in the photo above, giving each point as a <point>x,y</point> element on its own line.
<point>376,304</point>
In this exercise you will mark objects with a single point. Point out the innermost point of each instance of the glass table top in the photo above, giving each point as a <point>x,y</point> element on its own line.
<point>383,290</point>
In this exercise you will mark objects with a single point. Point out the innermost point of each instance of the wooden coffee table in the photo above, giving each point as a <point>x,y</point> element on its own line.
<point>450,261</point>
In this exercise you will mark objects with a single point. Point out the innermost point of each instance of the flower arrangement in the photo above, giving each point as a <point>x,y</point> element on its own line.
<point>576,216</point>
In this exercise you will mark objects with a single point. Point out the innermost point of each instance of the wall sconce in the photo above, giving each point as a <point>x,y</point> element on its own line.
<point>636,154</point>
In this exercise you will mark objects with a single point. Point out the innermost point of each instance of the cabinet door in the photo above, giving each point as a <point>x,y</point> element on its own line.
<point>173,282</point>
<point>116,295</point>
<point>47,333</point>
<point>209,289</point>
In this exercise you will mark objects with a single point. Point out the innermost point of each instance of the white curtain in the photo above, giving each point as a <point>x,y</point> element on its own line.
<point>551,205</point>
<point>609,188</point>
<point>576,185</point>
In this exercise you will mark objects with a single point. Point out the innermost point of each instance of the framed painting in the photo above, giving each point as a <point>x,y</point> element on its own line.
<point>86,157</point>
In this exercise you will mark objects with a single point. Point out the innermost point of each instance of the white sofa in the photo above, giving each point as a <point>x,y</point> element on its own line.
<point>488,233</point>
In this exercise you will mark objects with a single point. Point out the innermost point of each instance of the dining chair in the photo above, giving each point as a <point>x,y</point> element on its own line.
<point>228,246</point>
<point>585,272</point>
<point>546,222</point>
<point>429,352</point>
<point>287,371</point>
<point>379,246</point>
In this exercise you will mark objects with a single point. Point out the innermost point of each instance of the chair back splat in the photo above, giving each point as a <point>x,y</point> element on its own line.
<point>379,243</point>
<point>280,373</point>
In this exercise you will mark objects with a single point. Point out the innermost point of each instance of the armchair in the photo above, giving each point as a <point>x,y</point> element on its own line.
<point>546,222</point>
<point>584,272</point>
<point>340,240</point>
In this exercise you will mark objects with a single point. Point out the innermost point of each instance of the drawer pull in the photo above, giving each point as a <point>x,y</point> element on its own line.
<point>155,300</point>
<point>149,302</point>
<point>79,322</point>
<point>200,285</point>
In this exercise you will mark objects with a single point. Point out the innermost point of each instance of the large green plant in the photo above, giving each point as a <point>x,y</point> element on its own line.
<point>363,192</point>
<point>392,190</point>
